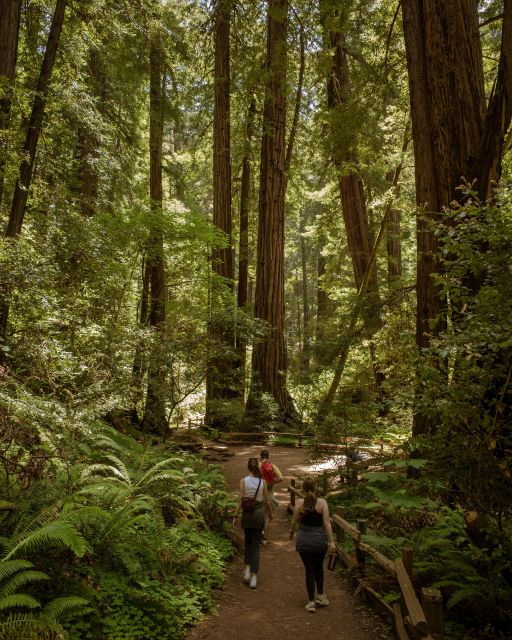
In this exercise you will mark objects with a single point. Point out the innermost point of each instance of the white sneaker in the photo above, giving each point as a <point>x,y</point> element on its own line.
<point>253,581</point>
<point>321,600</point>
<point>310,607</point>
<point>247,574</point>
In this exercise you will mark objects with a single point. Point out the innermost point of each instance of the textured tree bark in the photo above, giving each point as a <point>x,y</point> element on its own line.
<point>154,419</point>
<point>221,381</point>
<point>306,344</point>
<point>88,141</point>
<point>350,183</point>
<point>269,362</point>
<point>498,117</point>
<point>22,187</point>
<point>10,11</point>
<point>393,238</point>
<point>446,86</point>
<point>393,233</point>
<point>243,248</point>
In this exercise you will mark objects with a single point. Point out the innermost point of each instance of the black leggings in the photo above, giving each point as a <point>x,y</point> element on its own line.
<point>252,548</point>
<point>314,565</point>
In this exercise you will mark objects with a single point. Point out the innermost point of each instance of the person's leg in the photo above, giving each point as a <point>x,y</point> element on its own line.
<point>308,561</point>
<point>319,571</point>
<point>248,546</point>
<point>255,550</point>
<point>321,598</point>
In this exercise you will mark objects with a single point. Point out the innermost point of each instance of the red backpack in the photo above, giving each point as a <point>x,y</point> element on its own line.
<point>267,471</point>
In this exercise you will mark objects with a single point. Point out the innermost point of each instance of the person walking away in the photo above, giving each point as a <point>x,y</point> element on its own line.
<point>311,516</point>
<point>253,504</point>
<point>272,475</point>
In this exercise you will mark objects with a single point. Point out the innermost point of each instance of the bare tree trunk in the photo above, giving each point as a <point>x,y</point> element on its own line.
<point>154,412</point>
<point>221,383</point>
<point>88,141</point>
<point>10,11</point>
<point>446,85</point>
<point>269,364</point>
<point>393,239</point>
<point>498,117</point>
<point>243,250</point>
<point>21,190</point>
<point>351,184</point>
<point>306,343</point>
<point>393,232</point>
<point>22,187</point>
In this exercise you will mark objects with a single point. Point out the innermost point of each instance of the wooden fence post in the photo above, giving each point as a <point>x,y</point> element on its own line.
<point>408,560</point>
<point>361,527</point>
<point>432,605</point>
<point>340,534</point>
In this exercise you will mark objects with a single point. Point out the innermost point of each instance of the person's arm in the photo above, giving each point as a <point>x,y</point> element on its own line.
<point>327,523</point>
<point>296,516</point>
<point>278,476</point>
<point>239,503</point>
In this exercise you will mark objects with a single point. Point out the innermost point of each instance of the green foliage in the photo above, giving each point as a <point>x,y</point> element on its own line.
<point>475,581</point>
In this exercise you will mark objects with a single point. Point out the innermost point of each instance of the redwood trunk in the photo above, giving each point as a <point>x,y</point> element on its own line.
<point>243,250</point>
<point>350,184</point>
<point>10,11</point>
<point>220,384</point>
<point>269,362</point>
<point>154,412</point>
<point>393,238</point>
<point>22,187</point>
<point>446,85</point>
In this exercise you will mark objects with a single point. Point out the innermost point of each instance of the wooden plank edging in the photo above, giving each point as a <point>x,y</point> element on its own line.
<point>416,614</point>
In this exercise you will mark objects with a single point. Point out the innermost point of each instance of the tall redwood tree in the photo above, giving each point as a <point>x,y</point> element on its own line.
<point>269,362</point>
<point>457,137</point>
<point>221,382</point>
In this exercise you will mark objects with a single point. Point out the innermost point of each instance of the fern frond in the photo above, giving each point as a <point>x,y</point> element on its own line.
<point>65,605</point>
<point>103,470</point>
<point>467,593</point>
<point>120,466</point>
<point>160,474</point>
<point>58,533</point>
<point>19,580</point>
<point>26,626</point>
<point>18,601</point>
<point>10,567</point>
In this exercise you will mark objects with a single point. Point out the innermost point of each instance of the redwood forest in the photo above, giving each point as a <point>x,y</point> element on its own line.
<point>235,224</point>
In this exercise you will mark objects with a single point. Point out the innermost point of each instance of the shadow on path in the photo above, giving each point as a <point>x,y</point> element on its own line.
<point>275,610</point>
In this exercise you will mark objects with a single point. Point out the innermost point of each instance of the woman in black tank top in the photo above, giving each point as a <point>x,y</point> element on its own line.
<point>312,518</point>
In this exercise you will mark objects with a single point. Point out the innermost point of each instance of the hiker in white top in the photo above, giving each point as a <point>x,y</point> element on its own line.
<point>253,503</point>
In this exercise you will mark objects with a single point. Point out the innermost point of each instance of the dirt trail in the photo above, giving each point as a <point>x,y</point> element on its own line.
<point>275,609</point>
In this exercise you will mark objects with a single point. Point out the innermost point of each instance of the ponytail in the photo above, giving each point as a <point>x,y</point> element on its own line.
<point>309,487</point>
<point>254,467</point>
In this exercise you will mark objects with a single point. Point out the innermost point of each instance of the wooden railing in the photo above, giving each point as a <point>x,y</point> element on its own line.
<point>412,619</point>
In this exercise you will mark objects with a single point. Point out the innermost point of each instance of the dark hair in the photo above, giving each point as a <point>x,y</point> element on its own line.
<point>254,467</point>
<point>264,454</point>
<point>309,487</point>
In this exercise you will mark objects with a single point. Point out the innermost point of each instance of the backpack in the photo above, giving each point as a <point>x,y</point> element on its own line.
<point>267,470</point>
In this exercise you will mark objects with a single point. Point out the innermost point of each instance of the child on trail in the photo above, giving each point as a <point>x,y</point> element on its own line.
<point>272,475</point>
<point>311,515</point>
<point>253,503</point>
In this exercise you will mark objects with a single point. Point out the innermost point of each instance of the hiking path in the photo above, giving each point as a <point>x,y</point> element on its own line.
<point>275,609</point>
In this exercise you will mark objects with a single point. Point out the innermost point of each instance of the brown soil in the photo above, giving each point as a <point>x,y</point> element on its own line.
<point>275,609</point>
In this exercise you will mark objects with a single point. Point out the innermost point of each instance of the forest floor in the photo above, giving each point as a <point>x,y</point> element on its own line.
<point>275,609</point>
